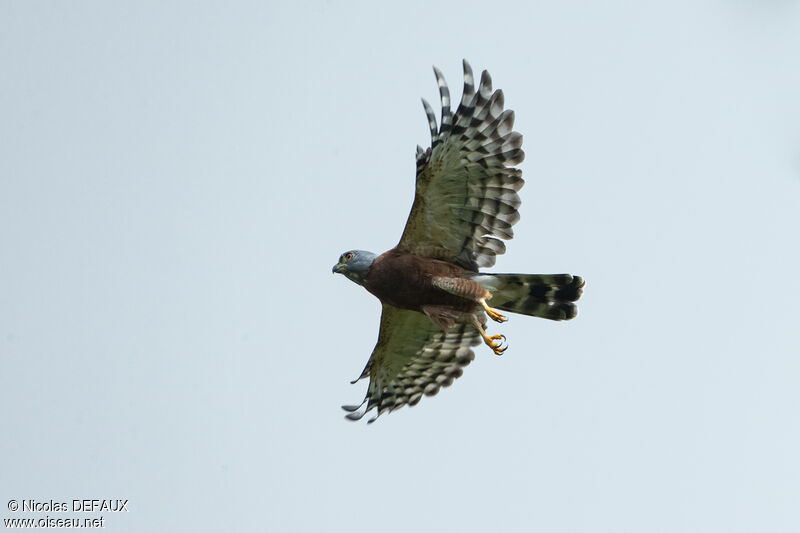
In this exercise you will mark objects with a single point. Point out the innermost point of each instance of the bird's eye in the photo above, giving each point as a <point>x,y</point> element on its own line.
<point>348,256</point>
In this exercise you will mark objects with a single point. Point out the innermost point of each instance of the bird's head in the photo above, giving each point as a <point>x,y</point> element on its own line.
<point>354,265</point>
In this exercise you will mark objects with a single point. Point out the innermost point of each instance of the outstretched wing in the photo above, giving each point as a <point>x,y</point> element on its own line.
<point>466,196</point>
<point>412,357</point>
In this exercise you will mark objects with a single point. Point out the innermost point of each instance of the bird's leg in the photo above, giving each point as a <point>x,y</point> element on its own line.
<point>497,347</point>
<point>471,290</point>
<point>494,315</point>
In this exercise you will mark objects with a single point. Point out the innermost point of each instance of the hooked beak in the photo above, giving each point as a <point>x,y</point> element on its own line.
<point>337,268</point>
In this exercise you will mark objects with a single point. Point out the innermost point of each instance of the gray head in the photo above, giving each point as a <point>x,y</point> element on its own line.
<point>354,265</point>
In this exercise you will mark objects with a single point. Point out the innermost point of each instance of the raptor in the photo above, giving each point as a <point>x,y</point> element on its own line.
<point>435,300</point>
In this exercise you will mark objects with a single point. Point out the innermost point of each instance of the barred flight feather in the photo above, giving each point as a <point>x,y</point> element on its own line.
<point>412,358</point>
<point>466,185</point>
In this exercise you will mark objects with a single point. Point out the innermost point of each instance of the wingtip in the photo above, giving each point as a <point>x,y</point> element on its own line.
<point>355,417</point>
<point>486,83</point>
<point>439,77</point>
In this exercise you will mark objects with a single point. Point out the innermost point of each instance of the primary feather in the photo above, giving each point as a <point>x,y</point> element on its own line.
<point>466,195</point>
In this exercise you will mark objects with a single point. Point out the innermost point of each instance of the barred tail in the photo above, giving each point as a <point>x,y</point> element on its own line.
<point>548,296</point>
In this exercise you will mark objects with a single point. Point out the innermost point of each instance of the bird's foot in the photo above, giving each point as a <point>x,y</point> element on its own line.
<point>494,315</point>
<point>497,347</point>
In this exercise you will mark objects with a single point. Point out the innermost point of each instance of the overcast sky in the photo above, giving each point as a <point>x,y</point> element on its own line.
<point>177,179</point>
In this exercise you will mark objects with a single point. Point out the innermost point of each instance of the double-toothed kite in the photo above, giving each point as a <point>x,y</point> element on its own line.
<point>434,299</point>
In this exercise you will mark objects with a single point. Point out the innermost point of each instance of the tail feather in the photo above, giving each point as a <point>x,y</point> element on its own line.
<point>548,296</point>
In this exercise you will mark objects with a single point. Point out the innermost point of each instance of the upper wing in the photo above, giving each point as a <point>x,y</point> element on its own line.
<point>412,357</point>
<point>466,194</point>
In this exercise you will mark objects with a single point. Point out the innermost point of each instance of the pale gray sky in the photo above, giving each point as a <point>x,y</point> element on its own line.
<point>176,180</point>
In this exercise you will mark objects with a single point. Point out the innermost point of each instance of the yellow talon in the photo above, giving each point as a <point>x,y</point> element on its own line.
<point>498,348</point>
<point>494,315</point>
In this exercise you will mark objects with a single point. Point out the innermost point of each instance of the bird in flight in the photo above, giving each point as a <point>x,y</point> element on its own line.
<point>434,299</point>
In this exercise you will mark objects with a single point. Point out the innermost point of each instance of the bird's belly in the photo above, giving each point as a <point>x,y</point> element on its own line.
<point>413,290</point>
